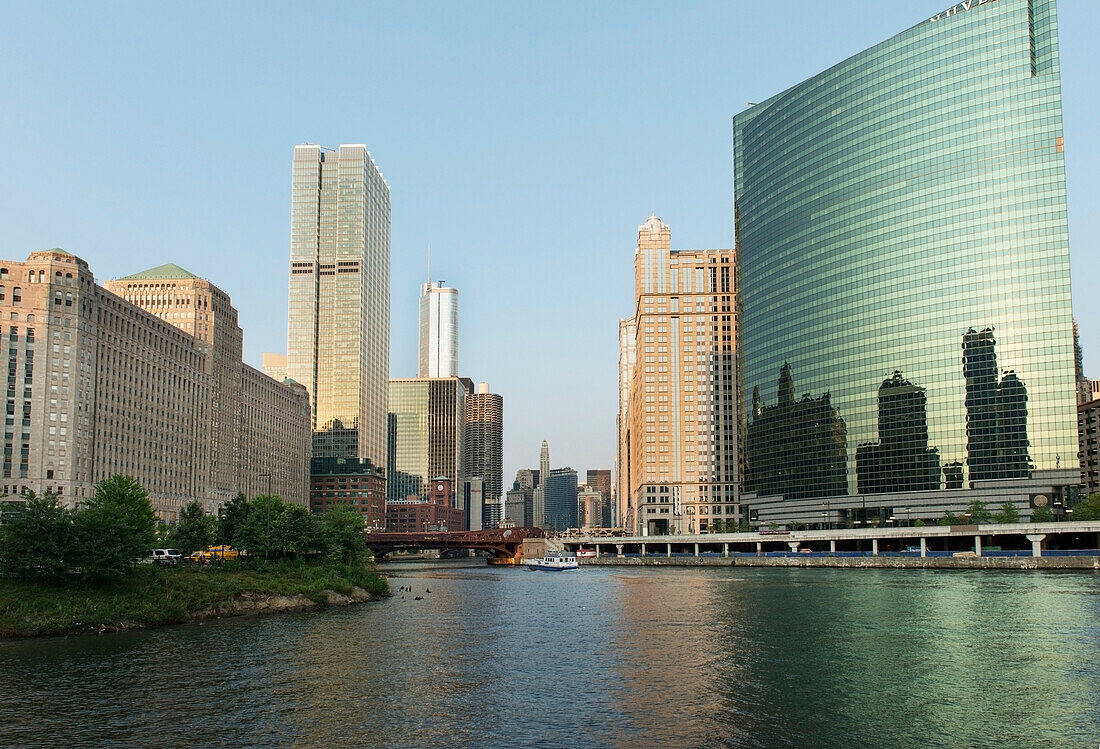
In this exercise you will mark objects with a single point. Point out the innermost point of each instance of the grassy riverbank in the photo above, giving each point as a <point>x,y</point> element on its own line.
<point>156,595</point>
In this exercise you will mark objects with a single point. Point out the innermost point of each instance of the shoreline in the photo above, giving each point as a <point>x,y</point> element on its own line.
<point>1082,563</point>
<point>152,598</point>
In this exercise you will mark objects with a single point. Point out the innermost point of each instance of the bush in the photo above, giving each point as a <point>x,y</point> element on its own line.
<point>1042,515</point>
<point>38,540</point>
<point>949,518</point>
<point>1007,514</point>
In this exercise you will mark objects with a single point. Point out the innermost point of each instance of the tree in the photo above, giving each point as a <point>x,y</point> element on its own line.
<point>918,523</point>
<point>978,512</point>
<point>1088,508</point>
<point>342,534</point>
<point>275,528</point>
<point>1007,514</point>
<point>232,520</point>
<point>1042,515</point>
<point>949,518</point>
<point>195,530</point>
<point>38,540</point>
<point>115,528</point>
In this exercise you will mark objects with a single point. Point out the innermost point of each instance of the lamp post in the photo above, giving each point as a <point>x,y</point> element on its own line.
<point>907,520</point>
<point>267,549</point>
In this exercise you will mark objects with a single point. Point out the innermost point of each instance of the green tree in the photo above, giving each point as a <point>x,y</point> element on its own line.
<point>232,520</point>
<point>1088,508</point>
<point>195,530</point>
<point>342,534</point>
<point>1007,514</point>
<point>115,528</point>
<point>38,540</point>
<point>296,531</point>
<point>949,518</point>
<point>978,512</point>
<point>1042,515</point>
<point>918,523</point>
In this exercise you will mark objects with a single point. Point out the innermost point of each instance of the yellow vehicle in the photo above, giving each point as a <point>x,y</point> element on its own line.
<point>221,553</point>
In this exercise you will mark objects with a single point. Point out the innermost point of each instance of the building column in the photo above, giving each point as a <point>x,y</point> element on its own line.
<point>725,549</point>
<point>643,550</point>
<point>832,545</point>
<point>759,548</point>
<point>874,547</point>
<point>978,545</point>
<point>696,549</point>
<point>923,546</point>
<point>668,550</point>
<point>793,545</point>
<point>1036,540</point>
<point>618,550</point>
<point>597,547</point>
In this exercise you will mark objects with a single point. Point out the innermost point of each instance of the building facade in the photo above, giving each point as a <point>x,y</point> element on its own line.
<point>339,299</point>
<point>1088,439</point>
<point>519,506</point>
<point>438,331</point>
<point>903,273</point>
<point>484,446</point>
<point>560,493</point>
<point>600,480</point>
<point>427,430</point>
<point>153,388</point>
<point>678,444</point>
<point>350,482</point>
<point>434,511</point>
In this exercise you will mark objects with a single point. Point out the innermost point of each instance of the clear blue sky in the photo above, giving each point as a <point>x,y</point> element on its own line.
<point>525,142</point>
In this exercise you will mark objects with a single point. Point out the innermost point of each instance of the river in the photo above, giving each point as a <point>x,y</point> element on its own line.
<point>602,657</point>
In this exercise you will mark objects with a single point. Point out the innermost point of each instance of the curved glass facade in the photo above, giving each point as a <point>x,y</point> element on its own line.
<point>904,279</point>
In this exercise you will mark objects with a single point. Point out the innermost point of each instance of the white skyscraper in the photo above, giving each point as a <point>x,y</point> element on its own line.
<point>338,343</point>
<point>438,331</point>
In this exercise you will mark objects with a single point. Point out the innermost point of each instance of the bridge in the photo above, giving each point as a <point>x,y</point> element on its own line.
<point>505,545</point>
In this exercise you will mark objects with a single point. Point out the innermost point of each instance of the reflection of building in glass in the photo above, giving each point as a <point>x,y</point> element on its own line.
<point>797,448</point>
<point>884,206</point>
<point>996,413</point>
<point>901,460</point>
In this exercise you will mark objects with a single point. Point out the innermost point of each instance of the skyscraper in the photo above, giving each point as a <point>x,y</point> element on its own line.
<point>438,331</point>
<point>485,447</point>
<point>888,209</point>
<point>426,433</point>
<point>538,504</point>
<point>678,448</point>
<point>339,307</point>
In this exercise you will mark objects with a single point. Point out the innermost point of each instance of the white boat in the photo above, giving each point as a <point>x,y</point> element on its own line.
<point>554,561</point>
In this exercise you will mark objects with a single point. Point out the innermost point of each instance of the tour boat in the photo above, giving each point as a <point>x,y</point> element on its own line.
<point>554,561</point>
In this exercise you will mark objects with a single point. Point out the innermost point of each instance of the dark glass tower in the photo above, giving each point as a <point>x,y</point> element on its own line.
<point>907,200</point>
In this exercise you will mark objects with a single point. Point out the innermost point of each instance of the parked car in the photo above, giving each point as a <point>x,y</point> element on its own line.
<point>166,557</point>
<point>214,552</point>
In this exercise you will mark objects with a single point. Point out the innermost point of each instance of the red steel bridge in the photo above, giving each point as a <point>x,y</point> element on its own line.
<point>505,545</point>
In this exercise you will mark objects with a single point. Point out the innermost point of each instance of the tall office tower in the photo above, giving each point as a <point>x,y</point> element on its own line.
<point>438,331</point>
<point>625,515</point>
<point>538,501</point>
<point>484,417</point>
<point>677,415</point>
<point>520,500</point>
<point>427,428</point>
<point>560,497</point>
<point>900,212</point>
<point>339,308</point>
<point>600,480</point>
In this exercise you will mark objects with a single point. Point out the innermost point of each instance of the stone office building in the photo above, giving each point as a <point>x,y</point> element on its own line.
<point>153,388</point>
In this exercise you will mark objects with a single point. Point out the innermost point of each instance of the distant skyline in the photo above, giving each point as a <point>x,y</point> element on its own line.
<point>525,144</point>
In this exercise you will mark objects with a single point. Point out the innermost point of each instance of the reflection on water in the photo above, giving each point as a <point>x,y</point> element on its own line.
<point>603,657</point>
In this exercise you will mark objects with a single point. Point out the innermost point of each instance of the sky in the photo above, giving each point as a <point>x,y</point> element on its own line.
<point>525,142</point>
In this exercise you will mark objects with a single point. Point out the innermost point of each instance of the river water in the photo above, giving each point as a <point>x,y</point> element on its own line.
<point>603,657</point>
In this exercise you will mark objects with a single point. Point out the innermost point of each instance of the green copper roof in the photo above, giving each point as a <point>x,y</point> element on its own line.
<point>167,272</point>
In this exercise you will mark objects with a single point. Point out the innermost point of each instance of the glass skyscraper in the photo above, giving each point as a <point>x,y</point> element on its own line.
<point>438,331</point>
<point>904,282</point>
<point>339,309</point>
